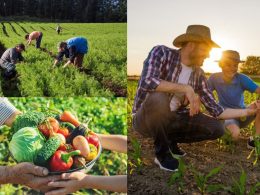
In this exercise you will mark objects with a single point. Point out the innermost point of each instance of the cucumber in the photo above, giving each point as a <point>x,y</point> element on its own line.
<point>47,150</point>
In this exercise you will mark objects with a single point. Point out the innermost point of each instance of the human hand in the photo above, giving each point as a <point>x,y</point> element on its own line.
<point>251,111</point>
<point>30,175</point>
<point>73,182</point>
<point>193,99</point>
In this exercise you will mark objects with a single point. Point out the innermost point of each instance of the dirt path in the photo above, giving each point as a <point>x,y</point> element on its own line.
<point>204,156</point>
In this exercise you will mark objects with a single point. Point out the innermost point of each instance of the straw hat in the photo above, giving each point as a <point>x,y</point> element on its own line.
<point>195,33</point>
<point>230,55</point>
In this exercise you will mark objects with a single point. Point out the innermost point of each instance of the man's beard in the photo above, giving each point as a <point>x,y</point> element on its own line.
<point>196,60</point>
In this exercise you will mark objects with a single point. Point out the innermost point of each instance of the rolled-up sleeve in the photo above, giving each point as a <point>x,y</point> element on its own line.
<point>207,98</point>
<point>6,110</point>
<point>151,70</point>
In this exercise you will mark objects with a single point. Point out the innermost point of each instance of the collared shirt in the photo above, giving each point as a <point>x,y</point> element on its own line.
<point>164,63</point>
<point>6,110</point>
<point>231,95</point>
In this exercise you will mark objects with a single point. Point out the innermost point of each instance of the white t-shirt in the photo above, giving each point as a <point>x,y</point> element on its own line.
<point>183,79</point>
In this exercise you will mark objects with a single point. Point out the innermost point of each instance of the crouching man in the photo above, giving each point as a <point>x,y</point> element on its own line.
<point>9,60</point>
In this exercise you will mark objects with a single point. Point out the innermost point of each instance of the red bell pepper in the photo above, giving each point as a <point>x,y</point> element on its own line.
<point>62,161</point>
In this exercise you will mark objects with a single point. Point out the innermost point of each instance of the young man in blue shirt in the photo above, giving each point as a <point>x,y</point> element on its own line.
<point>74,49</point>
<point>230,86</point>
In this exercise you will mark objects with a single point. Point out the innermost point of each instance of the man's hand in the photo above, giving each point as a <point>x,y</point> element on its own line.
<point>193,99</point>
<point>30,175</point>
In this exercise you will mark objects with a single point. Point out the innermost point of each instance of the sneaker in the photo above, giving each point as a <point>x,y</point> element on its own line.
<point>250,143</point>
<point>168,163</point>
<point>176,150</point>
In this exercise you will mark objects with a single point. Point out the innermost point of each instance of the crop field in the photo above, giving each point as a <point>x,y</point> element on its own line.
<point>210,167</point>
<point>108,117</point>
<point>104,65</point>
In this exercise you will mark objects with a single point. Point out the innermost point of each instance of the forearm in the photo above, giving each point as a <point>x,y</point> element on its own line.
<point>69,62</point>
<point>116,143</point>
<point>55,62</point>
<point>11,119</point>
<point>4,175</point>
<point>116,183</point>
<point>170,87</point>
<point>236,113</point>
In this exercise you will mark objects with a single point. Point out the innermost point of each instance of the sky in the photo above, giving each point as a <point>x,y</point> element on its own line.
<point>234,24</point>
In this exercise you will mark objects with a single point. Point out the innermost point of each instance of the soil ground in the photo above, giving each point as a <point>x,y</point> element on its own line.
<point>203,156</point>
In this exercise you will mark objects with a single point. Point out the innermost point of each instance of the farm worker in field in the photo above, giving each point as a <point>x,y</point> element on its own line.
<point>9,60</point>
<point>74,49</point>
<point>23,173</point>
<point>35,35</point>
<point>172,79</point>
<point>58,29</point>
<point>72,182</point>
<point>230,86</point>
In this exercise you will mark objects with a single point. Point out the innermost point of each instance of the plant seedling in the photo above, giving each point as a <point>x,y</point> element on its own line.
<point>201,181</point>
<point>136,155</point>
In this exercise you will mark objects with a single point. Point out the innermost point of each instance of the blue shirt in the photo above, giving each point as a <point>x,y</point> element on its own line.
<point>231,95</point>
<point>80,44</point>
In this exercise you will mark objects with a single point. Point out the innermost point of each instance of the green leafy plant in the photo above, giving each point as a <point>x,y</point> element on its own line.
<point>136,163</point>
<point>239,186</point>
<point>202,179</point>
<point>226,142</point>
<point>178,176</point>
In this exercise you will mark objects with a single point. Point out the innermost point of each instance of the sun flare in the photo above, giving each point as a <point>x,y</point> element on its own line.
<point>210,64</point>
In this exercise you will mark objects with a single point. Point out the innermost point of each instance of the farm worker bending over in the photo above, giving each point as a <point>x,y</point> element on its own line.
<point>72,182</point>
<point>230,86</point>
<point>23,173</point>
<point>74,49</point>
<point>35,35</point>
<point>58,29</point>
<point>170,80</point>
<point>9,60</point>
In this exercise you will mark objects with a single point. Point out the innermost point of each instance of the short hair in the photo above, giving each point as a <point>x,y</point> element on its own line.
<point>21,45</point>
<point>62,45</point>
<point>26,36</point>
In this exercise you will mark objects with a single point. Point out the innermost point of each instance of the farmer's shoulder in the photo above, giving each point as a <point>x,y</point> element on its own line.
<point>164,50</point>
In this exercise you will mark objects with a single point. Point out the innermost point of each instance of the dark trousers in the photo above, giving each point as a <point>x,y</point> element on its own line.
<point>38,41</point>
<point>79,60</point>
<point>154,119</point>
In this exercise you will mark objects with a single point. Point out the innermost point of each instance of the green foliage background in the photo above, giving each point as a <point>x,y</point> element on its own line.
<point>105,61</point>
<point>108,117</point>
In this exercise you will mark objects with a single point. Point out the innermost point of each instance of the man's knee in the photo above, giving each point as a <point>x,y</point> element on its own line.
<point>158,101</point>
<point>218,130</point>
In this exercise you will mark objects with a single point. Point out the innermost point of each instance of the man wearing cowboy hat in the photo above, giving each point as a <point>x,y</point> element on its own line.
<point>230,86</point>
<point>170,80</point>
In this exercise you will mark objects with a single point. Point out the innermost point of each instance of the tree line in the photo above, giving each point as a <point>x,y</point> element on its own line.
<point>69,10</point>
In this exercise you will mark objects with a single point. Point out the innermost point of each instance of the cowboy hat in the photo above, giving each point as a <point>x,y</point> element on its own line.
<point>195,33</point>
<point>230,55</point>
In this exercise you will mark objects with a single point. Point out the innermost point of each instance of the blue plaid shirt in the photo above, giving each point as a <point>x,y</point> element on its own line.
<point>164,63</point>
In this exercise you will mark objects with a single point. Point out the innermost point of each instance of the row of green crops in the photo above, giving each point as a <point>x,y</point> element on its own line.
<point>105,62</point>
<point>108,117</point>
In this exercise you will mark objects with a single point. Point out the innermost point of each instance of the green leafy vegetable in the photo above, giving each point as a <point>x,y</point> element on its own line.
<point>25,144</point>
<point>28,119</point>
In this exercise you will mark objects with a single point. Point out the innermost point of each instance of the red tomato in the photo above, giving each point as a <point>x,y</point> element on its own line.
<point>93,139</point>
<point>64,131</point>
<point>51,124</point>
